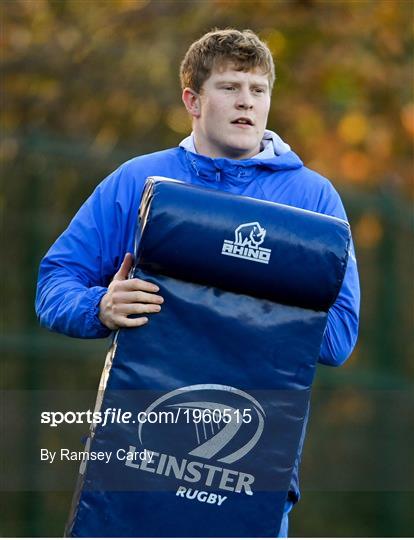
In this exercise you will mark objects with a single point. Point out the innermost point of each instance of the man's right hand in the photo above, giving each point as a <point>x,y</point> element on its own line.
<point>127,297</point>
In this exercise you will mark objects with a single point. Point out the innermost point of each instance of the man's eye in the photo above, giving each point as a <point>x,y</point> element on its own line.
<point>229,88</point>
<point>259,90</point>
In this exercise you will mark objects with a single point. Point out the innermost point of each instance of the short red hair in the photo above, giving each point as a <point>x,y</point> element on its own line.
<point>241,49</point>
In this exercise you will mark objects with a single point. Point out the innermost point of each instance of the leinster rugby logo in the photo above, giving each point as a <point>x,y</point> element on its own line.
<point>247,239</point>
<point>209,427</point>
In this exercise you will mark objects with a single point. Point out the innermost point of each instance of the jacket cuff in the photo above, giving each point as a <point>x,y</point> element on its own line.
<point>93,322</point>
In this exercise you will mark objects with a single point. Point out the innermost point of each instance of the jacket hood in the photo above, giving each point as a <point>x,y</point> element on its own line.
<point>281,158</point>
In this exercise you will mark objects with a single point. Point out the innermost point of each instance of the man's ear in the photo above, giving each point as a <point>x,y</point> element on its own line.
<point>191,101</point>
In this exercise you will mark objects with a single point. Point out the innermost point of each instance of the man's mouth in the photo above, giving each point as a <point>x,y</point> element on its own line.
<point>243,121</point>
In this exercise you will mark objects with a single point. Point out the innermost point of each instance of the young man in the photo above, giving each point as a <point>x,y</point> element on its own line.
<point>227,78</point>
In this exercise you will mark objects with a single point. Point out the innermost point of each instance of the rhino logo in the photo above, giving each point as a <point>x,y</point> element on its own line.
<point>250,234</point>
<point>247,239</point>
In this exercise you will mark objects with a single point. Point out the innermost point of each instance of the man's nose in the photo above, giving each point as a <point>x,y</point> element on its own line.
<point>244,100</point>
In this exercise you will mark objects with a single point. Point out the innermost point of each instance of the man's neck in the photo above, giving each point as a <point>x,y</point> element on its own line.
<point>235,154</point>
<point>267,150</point>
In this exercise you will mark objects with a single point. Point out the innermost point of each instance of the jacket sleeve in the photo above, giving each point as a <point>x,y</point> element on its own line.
<point>343,318</point>
<point>75,272</point>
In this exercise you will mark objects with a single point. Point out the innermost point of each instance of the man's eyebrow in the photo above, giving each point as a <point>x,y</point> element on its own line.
<point>238,83</point>
<point>228,81</point>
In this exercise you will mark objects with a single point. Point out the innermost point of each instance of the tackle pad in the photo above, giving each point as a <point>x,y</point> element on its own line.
<point>217,384</point>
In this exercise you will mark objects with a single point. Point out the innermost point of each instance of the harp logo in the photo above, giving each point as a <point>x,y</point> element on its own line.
<point>230,412</point>
<point>247,239</point>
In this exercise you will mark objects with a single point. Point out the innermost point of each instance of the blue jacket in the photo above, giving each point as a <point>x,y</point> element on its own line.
<point>77,269</point>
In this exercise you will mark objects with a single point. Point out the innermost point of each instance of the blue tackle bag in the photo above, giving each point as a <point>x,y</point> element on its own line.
<point>215,388</point>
